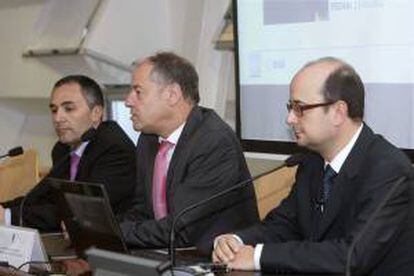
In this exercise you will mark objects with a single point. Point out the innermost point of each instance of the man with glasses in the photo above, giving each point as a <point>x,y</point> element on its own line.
<point>348,174</point>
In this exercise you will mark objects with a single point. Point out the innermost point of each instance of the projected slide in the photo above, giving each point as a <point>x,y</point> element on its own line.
<point>277,37</point>
<point>279,12</point>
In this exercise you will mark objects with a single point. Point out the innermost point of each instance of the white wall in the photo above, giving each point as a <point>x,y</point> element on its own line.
<point>136,28</point>
<point>25,83</point>
<point>21,77</point>
<point>26,122</point>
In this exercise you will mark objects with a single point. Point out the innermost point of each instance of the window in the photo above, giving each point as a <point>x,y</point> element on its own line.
<point>117,111</point>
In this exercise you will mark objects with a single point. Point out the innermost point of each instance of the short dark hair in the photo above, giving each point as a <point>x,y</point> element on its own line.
<point>170,68</point>
<point>90,89</point>
<point>344,84</point>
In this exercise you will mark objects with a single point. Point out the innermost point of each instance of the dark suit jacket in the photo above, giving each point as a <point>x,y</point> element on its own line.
<point>109,159</point>
<point>297,237</point>
<point>207,159</point>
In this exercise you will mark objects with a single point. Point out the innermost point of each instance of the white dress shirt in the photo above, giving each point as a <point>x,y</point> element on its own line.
<point>173,139</point>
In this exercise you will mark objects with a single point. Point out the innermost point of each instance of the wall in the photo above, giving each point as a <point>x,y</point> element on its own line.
<point>26,122</point>
<point>133,29</point>
<point>21,77</point>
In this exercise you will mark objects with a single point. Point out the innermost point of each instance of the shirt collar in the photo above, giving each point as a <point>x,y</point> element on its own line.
<point>173,138</point>
<point>340,158</point>
<point>80,149</point>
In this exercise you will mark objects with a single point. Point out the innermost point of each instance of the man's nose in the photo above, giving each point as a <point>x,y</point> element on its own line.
<point>291,117</point>
<point>128,100</point>
<point>58,116</point>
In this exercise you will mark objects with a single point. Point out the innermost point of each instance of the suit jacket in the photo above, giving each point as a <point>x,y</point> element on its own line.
<point>298,237</point>
<point>207,159</point>
<point>109,159</point>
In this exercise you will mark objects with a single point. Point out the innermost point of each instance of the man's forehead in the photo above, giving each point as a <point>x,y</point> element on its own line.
<point>314,76</point>
<point>320,70</point>
<point>143,68</point>
<point>64,95</point>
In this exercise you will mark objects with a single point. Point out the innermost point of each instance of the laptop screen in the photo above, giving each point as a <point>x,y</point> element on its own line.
<point>88,217</point>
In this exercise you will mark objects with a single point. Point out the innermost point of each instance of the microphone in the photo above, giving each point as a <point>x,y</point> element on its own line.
<point>13,152</point>
<point>88,135</point>
<point>369,222</point>
<point>292,161</point>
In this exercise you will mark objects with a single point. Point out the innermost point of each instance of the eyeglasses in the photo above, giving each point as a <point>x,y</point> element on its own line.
<point>299,108</point>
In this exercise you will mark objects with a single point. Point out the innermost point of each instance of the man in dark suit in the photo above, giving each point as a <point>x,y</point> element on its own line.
<point>107,156</point>
<point>338,185</point>
<point>202,156</point>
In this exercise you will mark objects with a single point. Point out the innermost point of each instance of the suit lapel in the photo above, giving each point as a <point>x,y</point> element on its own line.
<point>345,182</point>
<point>61,161</point>
<point>192,124</point>
<point>314,194</point>
<point>150,149</point>
<point>92,150</point>
<point>341,186</point>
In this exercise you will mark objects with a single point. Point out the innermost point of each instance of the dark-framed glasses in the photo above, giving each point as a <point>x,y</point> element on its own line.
<point>298,108</point>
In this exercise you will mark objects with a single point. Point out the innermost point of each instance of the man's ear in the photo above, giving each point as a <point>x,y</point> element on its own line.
<point>341,112</point>
<point>97,114</point>
<point>175,94</point>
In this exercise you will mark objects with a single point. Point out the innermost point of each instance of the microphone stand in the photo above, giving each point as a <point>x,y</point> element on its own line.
<point>290,162</point>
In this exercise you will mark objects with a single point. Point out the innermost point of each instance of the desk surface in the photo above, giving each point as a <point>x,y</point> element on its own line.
<point>55,244</point>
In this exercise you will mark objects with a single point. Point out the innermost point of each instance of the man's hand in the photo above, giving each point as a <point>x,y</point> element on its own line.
<point>76,267</point>
<point>244,259</point>
<point>231,251</point>
<point>226,248</point>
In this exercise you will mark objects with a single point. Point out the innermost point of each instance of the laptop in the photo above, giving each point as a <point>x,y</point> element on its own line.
<point>87,214</point>
<point>90,222</point>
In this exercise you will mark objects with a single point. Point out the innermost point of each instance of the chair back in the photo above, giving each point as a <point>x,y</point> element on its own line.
<point>18,175</point>
<point>272,188</point>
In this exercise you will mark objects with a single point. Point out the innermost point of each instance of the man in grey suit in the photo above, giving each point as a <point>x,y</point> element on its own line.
<point>347,175</point>
<point>185,154</point>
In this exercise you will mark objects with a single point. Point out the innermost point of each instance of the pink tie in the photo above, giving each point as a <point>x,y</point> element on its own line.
<point>74,162</point>
<point>159,181</point>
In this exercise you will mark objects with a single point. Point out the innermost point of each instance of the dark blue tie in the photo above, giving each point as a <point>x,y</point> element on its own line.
<point>328,177</point>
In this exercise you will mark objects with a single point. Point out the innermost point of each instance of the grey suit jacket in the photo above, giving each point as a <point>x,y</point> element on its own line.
<point>297,237</point>
<point>206,160</point>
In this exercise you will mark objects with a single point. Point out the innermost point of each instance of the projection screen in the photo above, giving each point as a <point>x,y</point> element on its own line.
<point>275,38</point>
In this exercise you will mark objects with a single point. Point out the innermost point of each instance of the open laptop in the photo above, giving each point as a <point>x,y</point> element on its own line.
<point>85,209</point>
<point>87,214</point>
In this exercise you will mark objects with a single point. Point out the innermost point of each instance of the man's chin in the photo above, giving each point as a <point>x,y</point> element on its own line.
<point>137,128</point>
<point>68,141</point>
<point>301,142</point>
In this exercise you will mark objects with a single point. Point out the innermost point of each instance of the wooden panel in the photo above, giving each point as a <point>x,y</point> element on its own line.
<point>18,175</point>
<point>272,188</point>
